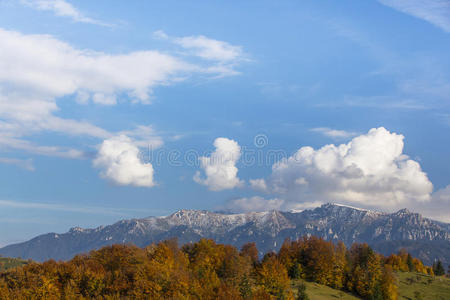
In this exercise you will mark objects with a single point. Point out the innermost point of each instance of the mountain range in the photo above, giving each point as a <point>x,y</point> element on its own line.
<point>385,232</point>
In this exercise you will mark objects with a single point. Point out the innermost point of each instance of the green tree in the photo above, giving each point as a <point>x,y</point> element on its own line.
<point>295,271</point>
<point>438,268</point>
<point>409,262</point>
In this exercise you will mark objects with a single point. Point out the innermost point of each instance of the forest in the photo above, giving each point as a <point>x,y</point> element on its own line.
<point>207,270</point>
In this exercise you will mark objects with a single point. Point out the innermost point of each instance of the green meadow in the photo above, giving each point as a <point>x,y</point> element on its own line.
<point>411,286</point>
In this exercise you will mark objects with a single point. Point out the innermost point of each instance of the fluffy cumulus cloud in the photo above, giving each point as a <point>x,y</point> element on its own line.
<point>258,184</point>
<point>253,204</point>
<point>119,161</point>
<point>371,170</point>
<point>220,168</point>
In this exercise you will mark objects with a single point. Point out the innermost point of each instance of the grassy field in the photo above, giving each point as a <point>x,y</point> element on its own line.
<point>411,286</point>
<point>428,287</point>
<point>7,263</point>
<point>321,292</point>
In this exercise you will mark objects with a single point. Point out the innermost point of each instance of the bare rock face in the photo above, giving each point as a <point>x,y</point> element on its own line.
<point>387,233</point>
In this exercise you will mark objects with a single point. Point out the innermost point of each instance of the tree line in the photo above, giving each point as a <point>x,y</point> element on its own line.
<point>206,270</point>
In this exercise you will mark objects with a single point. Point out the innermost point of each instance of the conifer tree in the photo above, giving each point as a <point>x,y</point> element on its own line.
<point>438,268</point>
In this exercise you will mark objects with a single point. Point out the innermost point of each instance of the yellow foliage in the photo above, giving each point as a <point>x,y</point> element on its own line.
<point>206,270</point>
<point>273,277</point>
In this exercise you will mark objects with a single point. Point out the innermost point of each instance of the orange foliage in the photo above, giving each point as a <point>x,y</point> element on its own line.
<point>206,270</point>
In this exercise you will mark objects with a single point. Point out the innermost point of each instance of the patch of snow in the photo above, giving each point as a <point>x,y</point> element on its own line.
<point>348,206</point>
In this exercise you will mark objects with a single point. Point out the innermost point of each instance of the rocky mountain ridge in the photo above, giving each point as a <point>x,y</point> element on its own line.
<point>386,232</point>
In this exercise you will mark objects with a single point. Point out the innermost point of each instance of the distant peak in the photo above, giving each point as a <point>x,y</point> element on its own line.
<point>76,229</point>
<point>403,211</point>
<point>329,205</point>
<point>183,211</point>
<point>187,212</point>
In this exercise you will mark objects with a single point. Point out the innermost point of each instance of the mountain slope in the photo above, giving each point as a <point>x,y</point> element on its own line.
<point>385,232</point>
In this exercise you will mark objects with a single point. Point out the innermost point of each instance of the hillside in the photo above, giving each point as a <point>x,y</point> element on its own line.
<point>8,263</point>
<point>207,270</point>
<point>428,287</point>
<point>410,285</point>
<point>317,291</point>
<point>387,233</point>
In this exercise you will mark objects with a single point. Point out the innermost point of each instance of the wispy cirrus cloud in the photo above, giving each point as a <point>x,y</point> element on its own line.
<point>419,80</point>
<point>252,204</point>
<point>225,56</point>
<point>334,133</point>
<point>64,9</point>
<point>26,164</point>
<point>436,12</point>
<point>68,208</point>
<point>36,71</point>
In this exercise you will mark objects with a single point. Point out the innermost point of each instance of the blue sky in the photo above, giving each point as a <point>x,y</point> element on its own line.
<point>123,109</point>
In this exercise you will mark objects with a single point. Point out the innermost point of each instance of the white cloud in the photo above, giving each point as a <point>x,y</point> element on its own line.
<point>11,143</point>
<point>298,207</point>
<point>333,133</point>
<point>210,49</point>
<point>225,55</point>
<point>37,71</point>
<point>26,164</point>
<point>371,170</point>
<point>437,12</point>
<point>220,168</point>
<point>69,208</point>
<point>119,161</point>
<point>253,204</point>
<point>47,67</point>
<point>258,184</point>
<point>439,206</point>
<point>159,34</point>
<point>145,136</point>
<point>62,8</point>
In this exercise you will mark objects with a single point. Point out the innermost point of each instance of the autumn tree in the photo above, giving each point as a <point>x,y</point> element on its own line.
<point>340,266</point>
<point>289,257</point>
<point>207,270</point>
<point>272,276</point>
<point>366,271</point>
<point>250,251</point>
<point>388,284</point>
<point>317,257</point>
